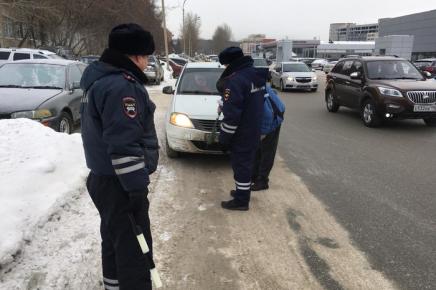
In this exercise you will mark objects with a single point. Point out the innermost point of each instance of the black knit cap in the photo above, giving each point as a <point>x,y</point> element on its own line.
<point>131,39</point>
<point>230,54</point>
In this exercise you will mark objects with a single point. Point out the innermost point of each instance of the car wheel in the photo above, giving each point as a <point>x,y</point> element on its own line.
<point>170,152</point>
<point>331,102</point>
<point>430,122</point>
<point>65,123</point>
<point>282,87</point>
<point>369,114</point>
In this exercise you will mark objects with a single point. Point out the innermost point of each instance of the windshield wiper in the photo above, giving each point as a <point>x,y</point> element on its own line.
<point>43,87</point>
<point>407,78</point>
<point>10,86</point>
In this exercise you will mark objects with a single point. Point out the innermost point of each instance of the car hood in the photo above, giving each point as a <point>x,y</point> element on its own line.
<point>409,85</point>
<point>16,99</point>
<point>203,107</point>
<point>299,74</point>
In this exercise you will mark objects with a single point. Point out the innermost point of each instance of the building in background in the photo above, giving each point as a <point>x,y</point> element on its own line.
<point>422,26</point>
<point>14,33</point>
<point>339,49</point>
<point>252,43</point>
<point>353,32</point>
<point>398,45</point>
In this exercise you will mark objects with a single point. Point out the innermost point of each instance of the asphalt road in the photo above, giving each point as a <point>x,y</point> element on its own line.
<point>379,183</point>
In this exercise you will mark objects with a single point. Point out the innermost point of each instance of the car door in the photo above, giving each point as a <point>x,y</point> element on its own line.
<point>342,80</point>
<point>74,76</point>
<point>353,89</point>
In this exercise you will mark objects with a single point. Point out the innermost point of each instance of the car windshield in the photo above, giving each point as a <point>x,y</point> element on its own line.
<point>259,62</point>
<point>199,81</point>
<point>295,67</point>
<point>32,75</point>
<point>392,69</point>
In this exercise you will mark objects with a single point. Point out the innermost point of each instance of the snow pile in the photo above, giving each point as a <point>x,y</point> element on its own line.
<point>39,168</point>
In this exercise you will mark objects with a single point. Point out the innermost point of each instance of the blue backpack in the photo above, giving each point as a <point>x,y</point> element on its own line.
<point>273,112</point>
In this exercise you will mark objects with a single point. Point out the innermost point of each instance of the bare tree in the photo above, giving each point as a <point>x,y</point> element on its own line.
<point>191,32</point>
<point>221,37</point>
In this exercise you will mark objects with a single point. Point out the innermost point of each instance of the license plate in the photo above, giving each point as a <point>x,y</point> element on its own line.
<point>424,108</point>
<point>303,87</point>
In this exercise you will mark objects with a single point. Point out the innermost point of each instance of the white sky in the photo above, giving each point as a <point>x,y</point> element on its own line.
<point>302,19</point>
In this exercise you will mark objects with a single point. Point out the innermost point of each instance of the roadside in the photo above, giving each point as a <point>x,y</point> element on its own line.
<point>287,240</point>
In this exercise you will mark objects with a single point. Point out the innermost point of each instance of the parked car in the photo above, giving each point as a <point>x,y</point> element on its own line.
<point>428,64</point>
<point>319,64</point>
<point>260,62</point>
<point>382,88</point>
<point>47,91</point>
<point>88,59</point>
<point>177,65</point>
<point>154,70</point>
<point>329,66</point>
<point>14,54</point>
<point>294,75</point>
<point>191,118</point>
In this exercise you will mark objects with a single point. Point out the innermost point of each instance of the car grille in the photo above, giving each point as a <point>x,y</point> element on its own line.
<point>304,80</point>
<point>422,97</point>
<point>5,116</point>
<point>207,147</point>
<point>206,125</point>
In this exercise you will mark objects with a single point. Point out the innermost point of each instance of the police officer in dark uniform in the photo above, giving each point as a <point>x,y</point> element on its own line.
<point>242,88</point>
<point>121,150</point>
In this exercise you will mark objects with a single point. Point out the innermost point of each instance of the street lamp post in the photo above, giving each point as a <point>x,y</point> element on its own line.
<point>165,33</point>
<point>183,27</point>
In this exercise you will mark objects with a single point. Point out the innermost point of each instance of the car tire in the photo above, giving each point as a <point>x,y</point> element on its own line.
<point>66,124</point>
<point>170,152</point>
<point>430,122</point>
<point>331,102</point>
<point>282,87</point>
<point>369,114</point>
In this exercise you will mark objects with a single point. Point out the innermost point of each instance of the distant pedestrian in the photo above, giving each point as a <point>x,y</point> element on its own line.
<point>121,150</point>
<point>242,88</point>
<point>273,116</point>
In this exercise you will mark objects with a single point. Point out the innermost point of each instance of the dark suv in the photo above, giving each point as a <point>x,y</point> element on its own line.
<point>381,88</point>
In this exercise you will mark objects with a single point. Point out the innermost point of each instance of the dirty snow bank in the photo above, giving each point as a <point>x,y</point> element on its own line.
<point>39,169</point>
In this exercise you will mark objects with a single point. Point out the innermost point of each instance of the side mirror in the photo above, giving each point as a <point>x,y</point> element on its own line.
<point>313,70</point>
<point>168,90</point>
<point>74,86</point>
<point>356,76</point>
<point>427,74</point>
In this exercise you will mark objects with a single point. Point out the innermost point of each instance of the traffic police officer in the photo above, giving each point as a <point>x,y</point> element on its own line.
<point>242,89</point>
<point>121,150</point>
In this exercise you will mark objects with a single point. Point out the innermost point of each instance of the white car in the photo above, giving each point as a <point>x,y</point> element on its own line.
<point>328,67</point>
<point>294,75</point>
<point>13,54</point>
<point>319,63</point>
<point>192,118</point>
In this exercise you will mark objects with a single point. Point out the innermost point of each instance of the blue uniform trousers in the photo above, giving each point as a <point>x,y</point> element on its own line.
<point>242,164</point>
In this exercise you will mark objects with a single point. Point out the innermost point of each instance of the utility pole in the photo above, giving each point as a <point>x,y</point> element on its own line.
<point>183,25</point>
<point>165,33</point>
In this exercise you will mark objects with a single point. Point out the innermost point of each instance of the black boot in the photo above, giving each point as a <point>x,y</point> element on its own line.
<point>259,185</point>
<point>233,193</point>
<point>234,204</point>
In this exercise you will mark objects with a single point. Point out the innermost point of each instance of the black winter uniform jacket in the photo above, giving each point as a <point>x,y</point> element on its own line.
<point>118,131</point>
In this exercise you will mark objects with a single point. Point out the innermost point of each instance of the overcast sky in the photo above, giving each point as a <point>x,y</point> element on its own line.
<point>287,18</point>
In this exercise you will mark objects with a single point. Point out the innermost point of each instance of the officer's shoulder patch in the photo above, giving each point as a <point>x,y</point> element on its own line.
<point>129,77</point>
<point>227,93</point>
<point>130,107</point>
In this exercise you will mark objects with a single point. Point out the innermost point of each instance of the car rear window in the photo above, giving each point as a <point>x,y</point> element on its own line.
<point>38,56</point>
<point>4,55</point>
<point>199,81</point>
<point>20,56</point>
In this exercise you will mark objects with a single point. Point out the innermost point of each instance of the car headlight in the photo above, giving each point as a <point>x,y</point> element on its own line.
<point>181,120</point>
<point>390,92</point>
<point>314,79</point>
<point>291,79</point>
<point>37,114</point>
<point>149,68</point>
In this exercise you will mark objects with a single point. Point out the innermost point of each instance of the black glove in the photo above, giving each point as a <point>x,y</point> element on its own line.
<point>137,200</point>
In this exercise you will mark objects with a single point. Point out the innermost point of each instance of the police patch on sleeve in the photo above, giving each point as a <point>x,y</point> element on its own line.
<point>130,107</point>
<point>226,94</point>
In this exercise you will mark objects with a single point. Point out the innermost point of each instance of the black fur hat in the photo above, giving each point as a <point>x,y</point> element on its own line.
<point>230,54</point>
<point>131,39</point>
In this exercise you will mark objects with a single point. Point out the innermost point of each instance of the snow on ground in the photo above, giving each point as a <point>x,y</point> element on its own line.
<point>168,80</point>
<point>39,169</point>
